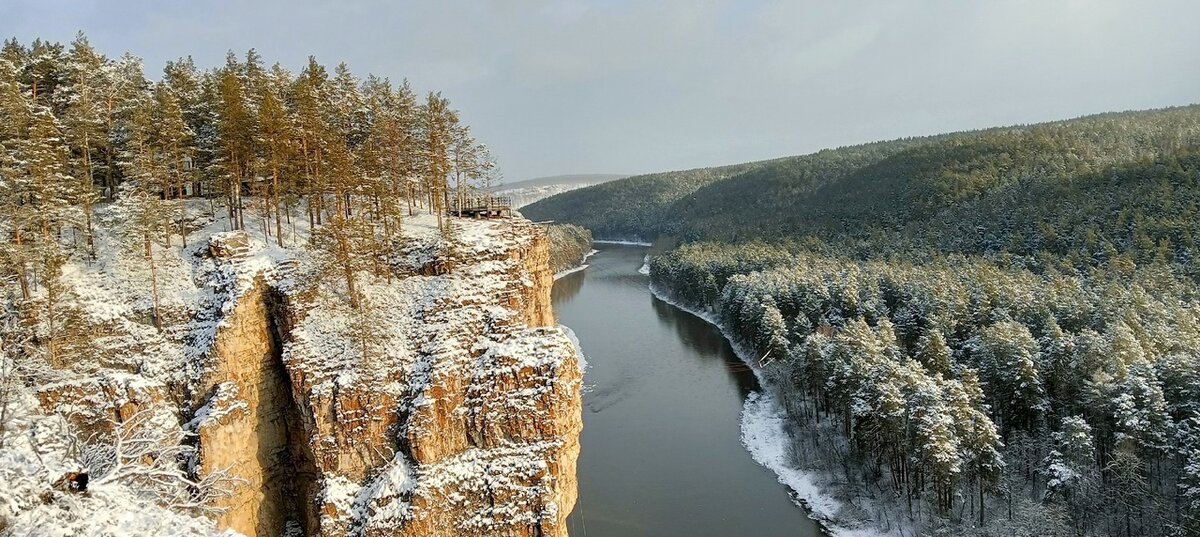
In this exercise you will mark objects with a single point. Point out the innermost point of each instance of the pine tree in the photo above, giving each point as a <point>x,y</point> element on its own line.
<point>1058,351</point>
<point>83,125</point>
<point>771,340</point>
<point>312,105</point>
<point>934,353</point>
<point>43,72</point>
<point>888,344</point>
<point>854,349</point>
<point>382,158</point>
<point>275,137</point>
<point>348,131</point>
<point>466,163</point>
<point>438,125</point>
<point>1071,465</point>
<point>49,199</point>
<point>235,131</point>
<point>343,247</point>
<point>979,441</point>
<point>1190,490</point>
<point>14,180</point>
<point>937,445</point>
<point>398,126</point>
<point>1007,354</point>
<point>124,86</point>
<point>198,104</point>
<point>140,205</point>
<point>174,141</point>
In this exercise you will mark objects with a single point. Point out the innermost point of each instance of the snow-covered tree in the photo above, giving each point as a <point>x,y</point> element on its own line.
<point>934,353</point>
<point>1007,355</point>
<point>147,452</point>
<point>771,339</point>
<point>1070,467</point>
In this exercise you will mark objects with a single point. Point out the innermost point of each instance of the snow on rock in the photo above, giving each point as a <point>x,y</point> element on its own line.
<point>37,449</point>
<point>456,356</point>
<point>447,405</point>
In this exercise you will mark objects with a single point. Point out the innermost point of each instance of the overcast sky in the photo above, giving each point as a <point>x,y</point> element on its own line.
<point>631,86</point>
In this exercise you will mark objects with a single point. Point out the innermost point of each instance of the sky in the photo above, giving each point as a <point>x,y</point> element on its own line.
<point>638,86</point>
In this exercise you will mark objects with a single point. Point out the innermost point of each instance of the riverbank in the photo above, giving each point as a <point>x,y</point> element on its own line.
<point>768,435</point>
<point>582,265</point>
<point>661,449</point>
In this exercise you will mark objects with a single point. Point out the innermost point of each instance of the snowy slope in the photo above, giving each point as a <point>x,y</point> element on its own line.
<point>526,192</point>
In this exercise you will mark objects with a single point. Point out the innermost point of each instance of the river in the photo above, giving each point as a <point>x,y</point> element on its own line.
<point>661,446</point>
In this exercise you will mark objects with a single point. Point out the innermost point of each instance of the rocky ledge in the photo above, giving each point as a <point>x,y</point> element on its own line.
<point>447,405</point>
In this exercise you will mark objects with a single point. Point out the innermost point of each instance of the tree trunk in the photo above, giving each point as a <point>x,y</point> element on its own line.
<point>179,183</point>
<point>153,282</point>
<point>275,197</point>
<point>981,509</point>
<point>87,195</point>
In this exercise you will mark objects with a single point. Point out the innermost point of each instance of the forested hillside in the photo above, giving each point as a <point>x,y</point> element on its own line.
<point>990,332</point>
<point>630,208</point>
<point>569,246</point>
<point>895,187</point>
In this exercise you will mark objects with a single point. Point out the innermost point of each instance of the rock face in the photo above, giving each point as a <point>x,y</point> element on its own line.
<point>248,426</point>
<point>450,407</point>
<point>534,263</point>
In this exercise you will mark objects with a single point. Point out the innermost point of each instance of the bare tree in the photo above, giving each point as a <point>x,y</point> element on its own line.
<point>146,453</point>
<point>7,390</point>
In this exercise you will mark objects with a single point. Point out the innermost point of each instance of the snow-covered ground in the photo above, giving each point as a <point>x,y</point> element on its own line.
<point>526,192</point>
<point>525,196</point>
<point>622,242</point>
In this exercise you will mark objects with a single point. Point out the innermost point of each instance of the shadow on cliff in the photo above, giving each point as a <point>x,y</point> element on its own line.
<point>289,470</point>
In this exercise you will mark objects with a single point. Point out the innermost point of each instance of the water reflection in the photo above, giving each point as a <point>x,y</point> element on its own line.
<point>693,331</point>
<point>707,342</point>
<point>567,287</point>
<point>661,444</point>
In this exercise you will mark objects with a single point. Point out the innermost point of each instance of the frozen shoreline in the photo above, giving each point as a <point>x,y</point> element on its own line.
<point>582,265</point>
<point>765,435</point>
<point>625,243</point>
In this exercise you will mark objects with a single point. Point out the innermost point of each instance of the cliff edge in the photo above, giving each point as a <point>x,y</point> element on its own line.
<point>447,404</point>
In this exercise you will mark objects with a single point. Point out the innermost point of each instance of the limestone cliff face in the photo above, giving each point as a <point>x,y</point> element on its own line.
<point>451,408</point>
<point>248,425</point>
<point>535,296</point>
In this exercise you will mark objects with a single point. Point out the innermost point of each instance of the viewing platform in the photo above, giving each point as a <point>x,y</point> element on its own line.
<point>480,207</point>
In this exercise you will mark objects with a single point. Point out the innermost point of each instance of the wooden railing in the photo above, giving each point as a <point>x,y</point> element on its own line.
<point>480,206</point>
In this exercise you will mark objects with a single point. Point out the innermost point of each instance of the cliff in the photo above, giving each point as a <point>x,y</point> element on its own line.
<point>570,246</point>
<point>451,407</point>
<point>447,405</point>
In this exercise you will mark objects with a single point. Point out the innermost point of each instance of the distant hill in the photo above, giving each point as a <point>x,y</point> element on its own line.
<point>531,190</point>
<point>571,179</point>
<point>976,191</point>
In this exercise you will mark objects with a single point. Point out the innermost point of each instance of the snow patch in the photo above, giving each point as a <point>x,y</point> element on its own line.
<point>622,242</point>
<point>582,265</point>
<point>578,348</point>
<point>764,433</point>
<point>560,274</point>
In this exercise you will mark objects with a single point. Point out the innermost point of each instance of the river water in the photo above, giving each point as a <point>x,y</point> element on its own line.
<point>661,446</point>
